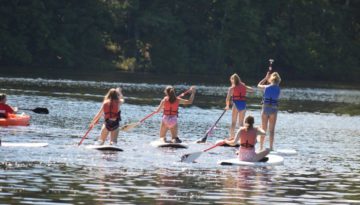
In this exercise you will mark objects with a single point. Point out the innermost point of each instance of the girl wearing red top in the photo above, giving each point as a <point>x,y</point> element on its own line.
<point>170,106</point>
<point>5,109</point>
<point>110,109</point>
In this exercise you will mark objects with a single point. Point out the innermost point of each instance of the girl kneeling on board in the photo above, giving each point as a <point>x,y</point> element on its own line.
<point>170,106</point>
<point>237,95</point>
<point>246,137</point>
<point>110,108</point>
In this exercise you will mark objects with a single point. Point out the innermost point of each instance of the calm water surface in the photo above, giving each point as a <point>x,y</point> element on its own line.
<point>326,170</point>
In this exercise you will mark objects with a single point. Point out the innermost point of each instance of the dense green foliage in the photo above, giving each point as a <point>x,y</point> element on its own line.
<point>309,39</point>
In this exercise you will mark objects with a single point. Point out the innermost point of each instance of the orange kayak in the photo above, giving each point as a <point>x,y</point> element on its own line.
<point>15,120</point>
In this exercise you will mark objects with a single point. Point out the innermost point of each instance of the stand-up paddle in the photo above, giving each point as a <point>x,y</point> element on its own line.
<point>193,156</point>
<point>203,139</point>
<point>130,126</point>
<point>87,132</point>
<point>38,110</point>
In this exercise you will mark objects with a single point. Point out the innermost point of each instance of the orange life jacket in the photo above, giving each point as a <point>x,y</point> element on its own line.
<point>239,92</point>
<point>171,108</point>
<point>248,138</point>
<point>111,109</point>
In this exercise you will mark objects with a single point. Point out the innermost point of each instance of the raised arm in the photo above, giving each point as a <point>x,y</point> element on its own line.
<point>121,97</point>
<point>191,99</point>
<point>262,83</point>
<point>228,97</point>
<point>250,89</point>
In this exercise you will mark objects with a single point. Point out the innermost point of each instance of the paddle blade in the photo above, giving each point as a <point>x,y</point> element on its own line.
<point>40,110</point>
<point>202,140</point>
<point>191,157</point>
<point>128,127</point>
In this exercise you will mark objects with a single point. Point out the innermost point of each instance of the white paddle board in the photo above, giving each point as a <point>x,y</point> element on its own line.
<point>15,144</point>
<point>273,160</point>
<point>284,152</point>
<point>159,143</point>
<point>105,147</point>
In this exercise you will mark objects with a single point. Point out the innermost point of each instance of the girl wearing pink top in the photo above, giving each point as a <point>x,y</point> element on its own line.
<point>246,136</point>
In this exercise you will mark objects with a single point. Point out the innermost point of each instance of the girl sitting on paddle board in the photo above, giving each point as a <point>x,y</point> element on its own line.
<point>170,106</point>
<point>110,108</point>
<point>5,109</point>
<point>246,137</point>
<point>237,95</point>
<point>269,105</point>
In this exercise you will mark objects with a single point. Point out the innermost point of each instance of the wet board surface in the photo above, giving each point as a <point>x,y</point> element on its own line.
<point>105,148</point>
<point>273,161</point>
<point>14,144</point>
<point>284,152</point>
<point>161,144</point>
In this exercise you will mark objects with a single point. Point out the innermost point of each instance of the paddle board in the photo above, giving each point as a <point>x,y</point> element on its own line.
<point>15,144</point>
<point>159,143</point>
<point>284,152</point>
<point>105,147</point>
<point>273,160</point>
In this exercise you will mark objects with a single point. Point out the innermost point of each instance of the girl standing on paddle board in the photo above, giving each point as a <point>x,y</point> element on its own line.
<point>170,106</point>
<point>110,108</point>
<point>237,94</point>
<point>5,109</point>
<point>269,105</point>
<point>246,137</point>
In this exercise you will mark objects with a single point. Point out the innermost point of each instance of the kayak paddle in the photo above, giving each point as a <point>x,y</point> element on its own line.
<point>203,139</point>
<point>193,156</point>
<point>38,110</point>
<point>134,124</point>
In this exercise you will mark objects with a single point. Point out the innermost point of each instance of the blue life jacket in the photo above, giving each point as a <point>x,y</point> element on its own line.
<point>271,95</point>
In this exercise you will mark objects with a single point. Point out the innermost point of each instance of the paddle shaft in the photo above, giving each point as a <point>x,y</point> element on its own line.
<point>215,145</point>
<point>38,110</point>
<point>271,61</point>
<point>212,127</point>
<point>86,134</point>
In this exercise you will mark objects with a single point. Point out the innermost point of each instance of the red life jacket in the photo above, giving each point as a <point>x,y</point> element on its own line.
<point>248,138</point>
<point>239,92</point>
<point>111,109</point>
<point>5,110</point>
<point>171,108</point>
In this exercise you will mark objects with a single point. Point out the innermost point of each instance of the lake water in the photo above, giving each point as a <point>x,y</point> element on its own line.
<point>311,121</point>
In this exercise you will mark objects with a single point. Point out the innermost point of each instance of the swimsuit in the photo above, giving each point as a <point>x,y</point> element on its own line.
<point>169,121</point>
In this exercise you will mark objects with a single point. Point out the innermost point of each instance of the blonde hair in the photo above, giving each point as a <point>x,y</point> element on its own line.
<point>236,79</point>
<point>275,78</point>
<point>112,94</point>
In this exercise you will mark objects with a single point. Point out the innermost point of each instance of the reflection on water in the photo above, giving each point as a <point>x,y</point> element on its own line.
<point>326,170</point>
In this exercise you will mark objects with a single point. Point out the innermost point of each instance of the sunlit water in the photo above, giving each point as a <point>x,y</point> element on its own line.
<point>326,169</point>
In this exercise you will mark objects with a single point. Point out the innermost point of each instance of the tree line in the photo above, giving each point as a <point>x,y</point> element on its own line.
<point>309,39</point>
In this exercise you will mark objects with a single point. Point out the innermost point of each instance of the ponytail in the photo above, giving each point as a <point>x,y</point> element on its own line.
<point>170,92</point>
<point>249,122</point>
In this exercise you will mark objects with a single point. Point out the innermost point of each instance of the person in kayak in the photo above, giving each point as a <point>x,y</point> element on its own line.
<point>110,109</point>
<point>237,95</point>
<point>269,105</point>
<point>5,109</point>
<point>246,137</point>
<point>170,106</point>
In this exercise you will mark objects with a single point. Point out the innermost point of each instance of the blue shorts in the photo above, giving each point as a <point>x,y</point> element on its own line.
<point>240,104</point>
<point>269,110</point>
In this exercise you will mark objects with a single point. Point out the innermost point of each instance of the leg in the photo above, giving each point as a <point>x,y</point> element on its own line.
<point>174,131</point>
<point>103,135</point>
<point>114,136</point>
<point>262,154</point>
<point>241,116</point>
<point>163,130</point>
<point>272,123</point>
<point>233,122</point>
<point>264,123</point>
